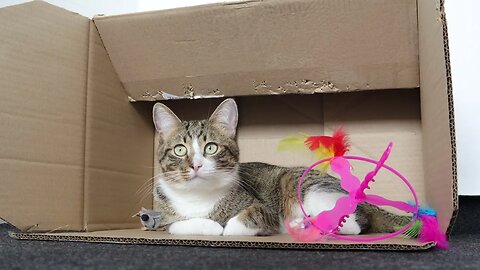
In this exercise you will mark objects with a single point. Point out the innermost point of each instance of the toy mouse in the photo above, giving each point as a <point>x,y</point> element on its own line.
<point>150,219</point>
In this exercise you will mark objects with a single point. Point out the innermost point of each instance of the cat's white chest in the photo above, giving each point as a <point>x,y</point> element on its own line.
<point>191,204</point>
<point>194,207</point>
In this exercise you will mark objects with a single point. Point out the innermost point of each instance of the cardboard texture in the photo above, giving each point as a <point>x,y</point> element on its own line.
<point>43,71</point>
<point>78,155</point>
<point>220,49</point>
<point>118,150</point>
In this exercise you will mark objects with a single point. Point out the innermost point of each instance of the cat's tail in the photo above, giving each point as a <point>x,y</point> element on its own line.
<point>382,221</point>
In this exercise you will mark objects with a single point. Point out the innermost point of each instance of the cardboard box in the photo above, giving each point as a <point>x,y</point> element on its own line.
<point>77,140</point>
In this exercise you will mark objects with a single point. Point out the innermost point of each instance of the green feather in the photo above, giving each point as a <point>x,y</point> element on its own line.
<point>414,230</point>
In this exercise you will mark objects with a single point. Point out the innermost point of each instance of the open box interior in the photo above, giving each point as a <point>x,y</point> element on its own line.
<point>79,143</point>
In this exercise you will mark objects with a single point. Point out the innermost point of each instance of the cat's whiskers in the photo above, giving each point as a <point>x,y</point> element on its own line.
<point>148,181</point>
<point>228,170</point>
<point>147,187</point>
<point>236,177</point>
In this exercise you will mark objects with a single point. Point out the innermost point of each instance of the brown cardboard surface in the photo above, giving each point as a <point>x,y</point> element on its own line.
<point>137,236</point>
<point>437,113</point>
<point>118,151</point>
<point>373,120</point>
<point>264,47</point>
<point>264,121</point>
<point>43,68</point>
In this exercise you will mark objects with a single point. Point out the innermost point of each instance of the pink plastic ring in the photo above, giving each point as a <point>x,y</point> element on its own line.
<point>362,239</point>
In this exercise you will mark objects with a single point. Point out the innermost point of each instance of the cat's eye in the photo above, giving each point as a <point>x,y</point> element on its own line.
<point>211,148</point>
<point>180,150</point>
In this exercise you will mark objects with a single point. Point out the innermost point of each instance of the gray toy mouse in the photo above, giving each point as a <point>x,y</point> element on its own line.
<point>150,219</point>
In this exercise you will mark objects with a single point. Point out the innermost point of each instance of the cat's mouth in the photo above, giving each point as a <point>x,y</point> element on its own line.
<point>197,176</point>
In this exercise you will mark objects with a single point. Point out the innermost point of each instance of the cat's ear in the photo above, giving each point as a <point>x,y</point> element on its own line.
<point>226,116</point>
<point>164,119</point>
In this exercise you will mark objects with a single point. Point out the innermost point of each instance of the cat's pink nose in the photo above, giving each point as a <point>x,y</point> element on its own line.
<point>196,167</point>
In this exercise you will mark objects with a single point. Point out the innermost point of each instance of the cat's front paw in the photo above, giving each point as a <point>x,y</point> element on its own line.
<point>236,227</point>
<point>196,226</point>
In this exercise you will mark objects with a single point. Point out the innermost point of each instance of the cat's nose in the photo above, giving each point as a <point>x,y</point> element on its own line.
<point>196,167</point>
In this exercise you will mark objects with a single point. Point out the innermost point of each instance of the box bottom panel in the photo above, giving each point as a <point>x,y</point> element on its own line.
<point>138,236</point>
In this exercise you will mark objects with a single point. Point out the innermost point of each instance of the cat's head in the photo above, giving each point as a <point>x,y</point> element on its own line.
<point>197,154</point>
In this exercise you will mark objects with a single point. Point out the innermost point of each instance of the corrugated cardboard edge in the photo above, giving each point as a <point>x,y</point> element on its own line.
<point>85,126</point>
<point>451,116</point>
<point>215,243</point>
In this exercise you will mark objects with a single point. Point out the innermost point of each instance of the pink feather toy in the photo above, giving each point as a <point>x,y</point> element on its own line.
<point>424,224</point>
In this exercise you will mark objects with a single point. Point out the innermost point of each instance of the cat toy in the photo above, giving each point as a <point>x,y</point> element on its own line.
<point>331,152</point>
<point>150,219</point>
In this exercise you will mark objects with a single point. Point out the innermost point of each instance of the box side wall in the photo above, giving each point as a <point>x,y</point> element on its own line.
<point>118,153</point>
<point>265,48</point>
<point>43,71</point>
<point>437,113</point>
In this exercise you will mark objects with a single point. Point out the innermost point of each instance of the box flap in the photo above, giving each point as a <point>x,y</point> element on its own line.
<point>264,47</point>
<point>118,151</point>
<point>437,113</point>
<point>42,114</point>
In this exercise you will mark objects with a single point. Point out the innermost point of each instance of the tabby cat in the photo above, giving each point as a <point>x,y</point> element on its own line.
<point>202,188</point>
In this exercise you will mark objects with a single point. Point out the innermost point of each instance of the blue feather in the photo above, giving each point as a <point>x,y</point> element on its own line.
<point>425,211</point>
